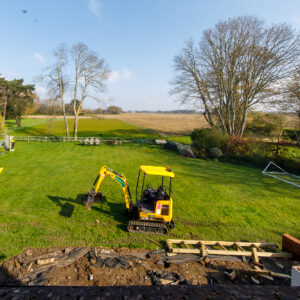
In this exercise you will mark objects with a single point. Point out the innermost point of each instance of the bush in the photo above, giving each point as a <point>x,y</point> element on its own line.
<point>239,146</point>
<point>198,152</point>
<point>291,134</point>
<point>209,138</point>
<point>262,124</point>
<point>215,153</point>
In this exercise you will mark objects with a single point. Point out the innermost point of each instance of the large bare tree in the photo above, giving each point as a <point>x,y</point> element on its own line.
<point>57,79</point>
<point>290,102</point>
<point>233,68</point>
<point>90,75</point>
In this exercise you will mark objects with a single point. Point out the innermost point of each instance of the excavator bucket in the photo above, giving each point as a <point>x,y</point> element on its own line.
<point>91,198</point>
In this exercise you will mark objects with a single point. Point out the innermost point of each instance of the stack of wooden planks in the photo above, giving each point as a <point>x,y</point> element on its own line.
<point>250,249</point>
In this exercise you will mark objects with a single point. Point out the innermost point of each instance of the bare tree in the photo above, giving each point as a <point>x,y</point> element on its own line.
<point>90,75</point>
<point>290,102</point>
<point>233,68</point>
<point>57,80</point>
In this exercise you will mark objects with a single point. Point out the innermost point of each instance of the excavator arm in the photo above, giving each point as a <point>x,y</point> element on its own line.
<point>120,178</point>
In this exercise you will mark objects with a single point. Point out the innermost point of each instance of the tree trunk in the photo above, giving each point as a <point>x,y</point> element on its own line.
<point>76,118</point>
<point>77,109</point>
<point>65,118</point>
<point>75,126</point>
<point>243,122</point>
<point>19,122</point>
<point>61,91</point>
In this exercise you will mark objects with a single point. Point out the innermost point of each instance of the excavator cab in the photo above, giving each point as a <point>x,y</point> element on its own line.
<point>155,203</point>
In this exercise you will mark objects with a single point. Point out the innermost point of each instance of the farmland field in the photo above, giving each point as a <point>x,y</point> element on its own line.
<point>182,124</point>
<point>42,187</point>
<point>167,123</point>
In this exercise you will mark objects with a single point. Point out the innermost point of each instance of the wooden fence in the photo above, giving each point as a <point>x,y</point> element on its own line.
<point>64,139</point>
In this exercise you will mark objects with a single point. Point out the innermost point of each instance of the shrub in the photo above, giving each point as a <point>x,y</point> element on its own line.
<point>239,146</point>
<point>266,124</point>
<point>209,138</point>
<point>215,153</point>
<point>291,134</point>
<point>198,152</point>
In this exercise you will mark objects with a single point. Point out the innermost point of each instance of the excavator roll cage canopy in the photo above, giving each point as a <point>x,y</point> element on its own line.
<point>156,171</point>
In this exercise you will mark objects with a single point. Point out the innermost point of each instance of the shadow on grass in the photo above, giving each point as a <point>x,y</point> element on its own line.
<point>116,210</point>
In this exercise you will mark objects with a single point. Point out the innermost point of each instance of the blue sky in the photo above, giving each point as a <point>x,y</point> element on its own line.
<point>137,38</point>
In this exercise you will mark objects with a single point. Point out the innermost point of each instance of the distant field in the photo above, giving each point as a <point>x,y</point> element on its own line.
<point>167,123</point>
<point>86,127</point>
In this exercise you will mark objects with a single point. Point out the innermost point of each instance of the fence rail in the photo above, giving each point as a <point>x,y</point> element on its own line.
<point>82,139</point>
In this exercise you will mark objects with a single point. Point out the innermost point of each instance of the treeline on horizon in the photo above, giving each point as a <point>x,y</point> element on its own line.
<point>49,108</point>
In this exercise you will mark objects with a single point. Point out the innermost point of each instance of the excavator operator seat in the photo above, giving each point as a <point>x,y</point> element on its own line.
<point>162,193</point>
<point>149,199</point>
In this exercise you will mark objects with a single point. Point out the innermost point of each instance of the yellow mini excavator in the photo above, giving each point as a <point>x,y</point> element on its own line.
<point>153,210</point>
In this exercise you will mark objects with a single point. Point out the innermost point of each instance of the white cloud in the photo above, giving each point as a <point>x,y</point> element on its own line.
<point>39,57</point>
<point>94,7</point>
<point>117,76</point>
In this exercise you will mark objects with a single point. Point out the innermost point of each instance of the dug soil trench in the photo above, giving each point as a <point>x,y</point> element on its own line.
<point>87,266</point>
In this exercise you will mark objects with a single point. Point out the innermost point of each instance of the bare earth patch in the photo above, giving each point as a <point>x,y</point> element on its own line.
<point>126,267</point>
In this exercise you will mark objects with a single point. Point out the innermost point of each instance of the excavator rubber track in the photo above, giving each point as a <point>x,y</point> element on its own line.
<point>147,227</point>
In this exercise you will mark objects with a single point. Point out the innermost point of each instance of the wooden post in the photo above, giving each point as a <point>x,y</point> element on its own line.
<point>254,255</point>
<point>203,250</point>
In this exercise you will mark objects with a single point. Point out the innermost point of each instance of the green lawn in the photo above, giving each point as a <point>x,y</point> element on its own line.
<point>86,127</point>
<point>42,185</point>
<point>185,139</point>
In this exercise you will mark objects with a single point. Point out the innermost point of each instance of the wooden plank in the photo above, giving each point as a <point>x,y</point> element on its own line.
<point>169,244</point>
<point>229,252</point>
<point>262,272</point>
<point>221,246</point>
<point>154,242</point>
<point>203,250</point>
<point>259,249</point>
<point>239,247</point>
<point>254,255</point>
<point>212,243</point>
<point>186,245</point>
